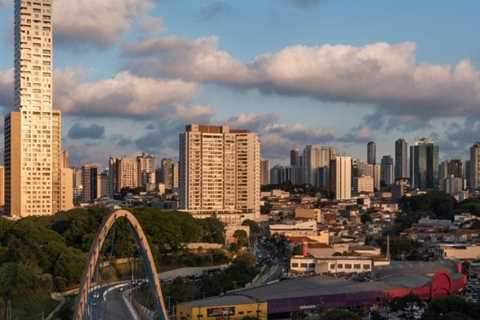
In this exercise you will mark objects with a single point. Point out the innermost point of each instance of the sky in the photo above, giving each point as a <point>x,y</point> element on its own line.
<point>130,74</point>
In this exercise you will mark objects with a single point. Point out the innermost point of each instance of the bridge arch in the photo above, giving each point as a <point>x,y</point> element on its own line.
<point>94,256</point>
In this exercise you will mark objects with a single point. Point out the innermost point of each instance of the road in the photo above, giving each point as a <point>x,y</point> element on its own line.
<point>108,303</point>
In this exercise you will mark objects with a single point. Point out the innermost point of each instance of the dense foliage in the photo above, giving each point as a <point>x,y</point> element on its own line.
<point>241,271</point>
<point>452,308</point>
<point>39,255</point>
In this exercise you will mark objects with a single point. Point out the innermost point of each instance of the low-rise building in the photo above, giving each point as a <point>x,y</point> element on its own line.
<point>333,265</point>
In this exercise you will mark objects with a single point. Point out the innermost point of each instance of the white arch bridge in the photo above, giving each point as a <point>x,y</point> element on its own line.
<point>91,291</point>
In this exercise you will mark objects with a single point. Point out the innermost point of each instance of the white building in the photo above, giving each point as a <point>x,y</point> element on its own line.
<point>341,177</point>
<point>333,265</point>
<point>220,172</point>
<point>33,131</point>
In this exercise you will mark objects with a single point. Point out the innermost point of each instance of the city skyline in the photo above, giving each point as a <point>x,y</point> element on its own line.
<point>111,53</point>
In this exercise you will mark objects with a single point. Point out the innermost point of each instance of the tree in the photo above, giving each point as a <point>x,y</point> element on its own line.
<point>242,238</point>
<point>451,307</point>
<point>254,227</point>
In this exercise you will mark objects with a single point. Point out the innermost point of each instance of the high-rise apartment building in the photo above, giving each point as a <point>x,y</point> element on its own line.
<point>475,166</point>
<point>2,186</point>
<point>455,168</point>
<point>33,131</point>
<point>316,163</point>
<point>424,157</point>
<point>371,152</point>
<point>265,172</point>
<point>401,159</point>
<point>166,173</point>
<point>146,165</point>
<point>123,174</point>
<point>89,183</point>
<point>387,171</point>
<point>104,187</point>
<point>364,169</point>
<point>341,178</point>
<point>66,183</point>
<point>220,172</point>
<point>364,184</point>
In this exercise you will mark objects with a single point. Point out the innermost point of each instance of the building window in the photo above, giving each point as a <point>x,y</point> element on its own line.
<point>366,266</point>
<point>333,266</point>
<point>356,266</point>
<point>348,266</point>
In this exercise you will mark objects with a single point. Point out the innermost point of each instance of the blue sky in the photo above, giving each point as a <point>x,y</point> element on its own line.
<point>297,71</point>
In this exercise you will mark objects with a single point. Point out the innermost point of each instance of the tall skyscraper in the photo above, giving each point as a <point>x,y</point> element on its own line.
<point>295,158</point>
<point>387,171</point>
<point>265,172</point>
<point>475,166</point>
<point>316,163</point>
<point>371,152</point>
<point>146,164</point>
<point>33,131</point>
<point>401,159</point>
<point>220,172</point>
<point>341,178</point>
<point>424,157</point>
<point>89,183</point>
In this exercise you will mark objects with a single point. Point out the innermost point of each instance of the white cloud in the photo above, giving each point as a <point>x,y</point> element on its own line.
<point>197,60</point>
<point>381,74</point>
<point>98,22</point>
<point>124,95</point>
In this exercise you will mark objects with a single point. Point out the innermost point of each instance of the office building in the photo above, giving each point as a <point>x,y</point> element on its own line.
<point>387,171</point>
<point>146,165</point>
<point>316,163</point>
<point>475,166</point>
<point>33,130</point>
<point>278,175</point>
<point>371,153</point>
<point>467,173</point>
<point>451,185</point>
<point>89,183</point>
<point>341,178</point>
<point>295,158</point>
<point>401,159</point>
<point>265,172</point>
<point>220,172</point>
<point>424,157</point>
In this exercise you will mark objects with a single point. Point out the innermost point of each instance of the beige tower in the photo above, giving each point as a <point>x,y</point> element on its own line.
<point>220,172</point>
<point>341,177</point>
<point>33,131</point>
<point>123,173</point>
